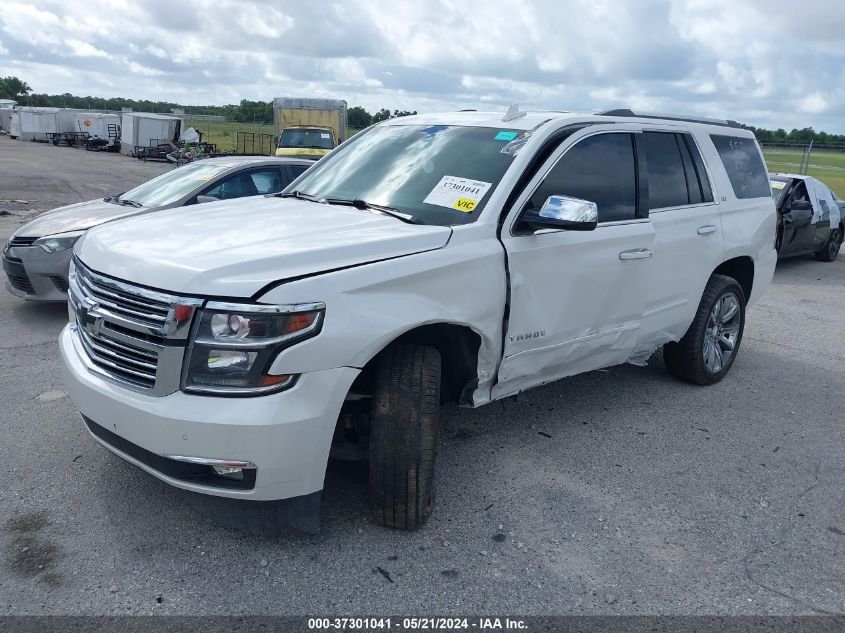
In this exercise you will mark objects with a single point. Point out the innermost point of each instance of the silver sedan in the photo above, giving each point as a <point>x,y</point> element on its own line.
<point>37,256</point>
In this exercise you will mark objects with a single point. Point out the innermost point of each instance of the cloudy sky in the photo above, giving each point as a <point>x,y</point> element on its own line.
<point>770,63</point>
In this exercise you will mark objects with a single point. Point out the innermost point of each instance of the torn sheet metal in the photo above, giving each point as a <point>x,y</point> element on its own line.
<point>648,348</point>
<point>822,199</point>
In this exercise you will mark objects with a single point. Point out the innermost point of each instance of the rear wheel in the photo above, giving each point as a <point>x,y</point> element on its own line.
<point>831,248</point>
<point>708,349</point>
<point>403,436</point>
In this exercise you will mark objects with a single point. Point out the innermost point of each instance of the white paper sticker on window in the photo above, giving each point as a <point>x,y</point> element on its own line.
<point>454,192</point>
<point>778,184</point>
<point>325,135</point>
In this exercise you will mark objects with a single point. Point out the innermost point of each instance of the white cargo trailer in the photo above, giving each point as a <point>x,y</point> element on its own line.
<point>15,125</point>
<point>138,129</point>
<point>98,125</point>
<point>6,106</point>
<point>37,123</point>
<point>5,119</point>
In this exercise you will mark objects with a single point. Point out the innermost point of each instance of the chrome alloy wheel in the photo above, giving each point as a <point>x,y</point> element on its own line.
<point>721,333</point>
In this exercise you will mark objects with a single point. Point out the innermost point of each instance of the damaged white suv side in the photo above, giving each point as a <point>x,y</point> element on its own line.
<point>231,349</point>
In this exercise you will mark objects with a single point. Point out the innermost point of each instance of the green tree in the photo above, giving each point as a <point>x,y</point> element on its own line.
<point>358,117</point>
<point>381,115</point>
<point>12,88</point>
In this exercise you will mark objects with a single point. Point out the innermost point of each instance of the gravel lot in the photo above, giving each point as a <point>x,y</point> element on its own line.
<point>620,491</point>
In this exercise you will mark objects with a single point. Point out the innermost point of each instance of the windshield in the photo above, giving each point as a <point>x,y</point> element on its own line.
<point>439,174</point>
<point>170,187</point>
<point>306,137</point>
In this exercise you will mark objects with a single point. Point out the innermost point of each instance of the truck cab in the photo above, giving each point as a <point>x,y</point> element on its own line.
<point>308,127</point>
<point>306,142</point>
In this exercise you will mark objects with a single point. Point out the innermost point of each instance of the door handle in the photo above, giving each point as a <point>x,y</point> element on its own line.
<point>707,229</point>
<point>636,253</point>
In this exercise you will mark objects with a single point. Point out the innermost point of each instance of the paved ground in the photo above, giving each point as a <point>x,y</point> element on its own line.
<point>621,491</point>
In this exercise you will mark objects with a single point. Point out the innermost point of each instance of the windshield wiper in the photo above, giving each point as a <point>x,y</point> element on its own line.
<point>378,208</point>
<point>128,203</point>
<point>297,194</point>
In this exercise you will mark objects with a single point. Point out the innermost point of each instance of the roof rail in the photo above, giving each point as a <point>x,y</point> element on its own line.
<point>627,112</point>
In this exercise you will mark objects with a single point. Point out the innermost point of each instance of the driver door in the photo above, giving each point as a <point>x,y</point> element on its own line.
<point>797,217</point>
<point>577,297</point>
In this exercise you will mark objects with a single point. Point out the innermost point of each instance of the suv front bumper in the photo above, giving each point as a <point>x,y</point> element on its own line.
<point>286,436</point>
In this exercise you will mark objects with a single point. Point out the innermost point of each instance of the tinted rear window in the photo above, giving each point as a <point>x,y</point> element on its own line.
<point>744,166</point>
<point>667,183</point>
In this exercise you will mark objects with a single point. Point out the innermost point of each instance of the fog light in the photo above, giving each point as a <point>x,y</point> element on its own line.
<point>229,472</point>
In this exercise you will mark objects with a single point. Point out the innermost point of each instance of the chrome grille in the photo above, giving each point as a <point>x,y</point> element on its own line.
<point>128,362</point>
<point>131,306</point>
<point>129,334</point>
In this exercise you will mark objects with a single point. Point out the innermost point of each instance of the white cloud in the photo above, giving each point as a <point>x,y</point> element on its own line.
<point>83,49</point>
<point>752,60</point>
<point>813,103</point>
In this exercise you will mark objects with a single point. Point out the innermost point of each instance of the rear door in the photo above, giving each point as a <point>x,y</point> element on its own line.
<point>688,233</point>
<point>577,297</point>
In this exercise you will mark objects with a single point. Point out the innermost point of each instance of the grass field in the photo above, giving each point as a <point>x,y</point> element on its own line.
<point>225,133</point>
<point>827,166</point>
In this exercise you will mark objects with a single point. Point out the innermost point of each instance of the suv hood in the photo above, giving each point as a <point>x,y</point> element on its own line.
<point>235,248</point>
<point>75,217</point>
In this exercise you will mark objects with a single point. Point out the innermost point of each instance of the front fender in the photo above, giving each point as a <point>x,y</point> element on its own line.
<point>368,307</point>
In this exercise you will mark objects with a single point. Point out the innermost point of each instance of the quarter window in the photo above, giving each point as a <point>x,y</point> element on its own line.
<point>706,193</point>
<point>600,169</point>
<point>744,166</point>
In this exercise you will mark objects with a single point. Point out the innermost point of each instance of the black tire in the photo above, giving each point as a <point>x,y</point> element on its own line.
<point>686,358</point>
<point>403,436</point>
<point>830,250</point>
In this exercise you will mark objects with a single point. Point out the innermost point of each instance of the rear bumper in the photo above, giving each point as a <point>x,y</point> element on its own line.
<point>286,436</point>
<point>35,275</point>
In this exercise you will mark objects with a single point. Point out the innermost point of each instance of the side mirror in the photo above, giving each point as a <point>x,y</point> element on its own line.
<point>800,205</point>
<point>203,199</point>
<point>563,212</point>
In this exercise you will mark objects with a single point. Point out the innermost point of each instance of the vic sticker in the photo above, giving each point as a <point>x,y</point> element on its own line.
<point>455,192</point>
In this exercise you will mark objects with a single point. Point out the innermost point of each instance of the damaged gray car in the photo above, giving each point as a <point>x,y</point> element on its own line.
<point>37,256</point>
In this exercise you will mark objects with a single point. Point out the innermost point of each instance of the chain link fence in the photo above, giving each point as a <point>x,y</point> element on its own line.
<point>823,161</point>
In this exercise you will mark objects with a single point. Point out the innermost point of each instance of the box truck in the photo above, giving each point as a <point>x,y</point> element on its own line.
<point>308,128</point>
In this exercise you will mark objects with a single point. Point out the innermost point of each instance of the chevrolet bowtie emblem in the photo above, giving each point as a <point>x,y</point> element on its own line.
<point>90,322</point>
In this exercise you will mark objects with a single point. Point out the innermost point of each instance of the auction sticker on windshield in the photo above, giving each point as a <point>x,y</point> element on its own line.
<point>454,192</point>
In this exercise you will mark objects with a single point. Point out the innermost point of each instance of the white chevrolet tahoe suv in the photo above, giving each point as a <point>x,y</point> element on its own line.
<point>230,349</point>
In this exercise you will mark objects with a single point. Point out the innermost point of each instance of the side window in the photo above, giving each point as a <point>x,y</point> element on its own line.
<point>600,169</point>
<point>247,183</point>
<point>667,179</point>
<point>296,171</point>
<point>744,165</point>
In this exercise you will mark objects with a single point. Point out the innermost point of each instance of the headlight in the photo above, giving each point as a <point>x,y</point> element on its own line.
<point>56,243</point>
<point>234,345</point>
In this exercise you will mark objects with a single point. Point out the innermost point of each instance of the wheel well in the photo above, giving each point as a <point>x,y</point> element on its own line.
<point>741,269</point>
<point>458,346</point>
